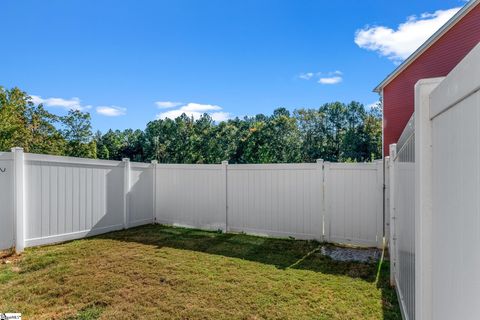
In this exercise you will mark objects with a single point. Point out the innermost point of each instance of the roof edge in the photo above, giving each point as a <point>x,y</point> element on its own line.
<point>427,44</point>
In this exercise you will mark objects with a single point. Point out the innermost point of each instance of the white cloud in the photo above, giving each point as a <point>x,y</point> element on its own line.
<point>167,104</point>
<point>332,77</point>
<point>306,75</point>
<point>330,80</point>
<point>75,104</point>
<point>111,111</point>
<point>68,104</point>
<point>195,110</point>
<point>398,44</point>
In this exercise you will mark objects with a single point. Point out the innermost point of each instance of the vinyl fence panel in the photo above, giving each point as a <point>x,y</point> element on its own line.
<point>7,218</point>
<point>141,194</point>
<point>70,198</point>
<point>276,199</point>
<point>191,195</point>
<point>455,238</point>
<point>354,203</point>
<point>404,225</point>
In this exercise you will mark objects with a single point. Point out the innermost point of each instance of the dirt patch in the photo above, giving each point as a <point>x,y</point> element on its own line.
<point>351,254</point>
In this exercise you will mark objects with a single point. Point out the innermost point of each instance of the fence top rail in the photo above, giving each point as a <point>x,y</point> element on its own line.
<point>140,165</point>
<point>274,166</point>
<point>189,166</point>
<point>352,165</point>
<point>407,133</point>
<point>6,156</point>
<point>33,157</point>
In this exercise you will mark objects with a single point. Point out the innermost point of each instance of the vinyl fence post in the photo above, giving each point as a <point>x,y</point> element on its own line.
<point>322,205</point>
<point>126,192</point>
<point>386,200</point>
<point>154,190</point>
<point>325,167</point>
<point>225,179</point>
<point>19,203</point>
<point>393,227</point>
<point>423,199</point>
<point>380,223</point>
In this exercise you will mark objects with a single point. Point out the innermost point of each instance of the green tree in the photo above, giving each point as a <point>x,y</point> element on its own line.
<point>77,130</point>
<point>22,124</point>
<point>334,132</point>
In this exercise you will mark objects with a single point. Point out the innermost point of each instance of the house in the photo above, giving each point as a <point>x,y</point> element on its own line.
<point>435,58</point>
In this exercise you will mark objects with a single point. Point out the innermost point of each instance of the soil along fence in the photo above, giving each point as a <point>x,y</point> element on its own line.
<point>47,199</point>
<point>434,199</point>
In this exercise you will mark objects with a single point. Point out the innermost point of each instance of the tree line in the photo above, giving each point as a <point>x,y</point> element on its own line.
<point>333,132</point>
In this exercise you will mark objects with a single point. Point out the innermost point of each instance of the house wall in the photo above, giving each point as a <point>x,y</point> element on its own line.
<point>436,61</point>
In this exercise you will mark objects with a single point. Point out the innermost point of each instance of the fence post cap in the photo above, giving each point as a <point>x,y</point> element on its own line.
<point>154,161</point>
<point>14,149</point>
<point>126,159</point>
<point>225,162</point>
<point>319,160</point>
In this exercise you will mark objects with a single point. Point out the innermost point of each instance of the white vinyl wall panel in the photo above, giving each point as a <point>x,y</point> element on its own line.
<point>404,233</point>
<point>7,217</point>
<point>191,195</point>
<point>67,200</point>
<point>141,195</point>
<point>456,210</point>
<point>276,199</point>
<point>354,203</point>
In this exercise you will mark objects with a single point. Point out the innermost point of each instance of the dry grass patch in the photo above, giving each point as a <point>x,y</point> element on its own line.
<point>158,272</point>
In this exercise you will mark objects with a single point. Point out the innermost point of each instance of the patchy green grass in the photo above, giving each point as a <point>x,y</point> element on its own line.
<point>158,272</point>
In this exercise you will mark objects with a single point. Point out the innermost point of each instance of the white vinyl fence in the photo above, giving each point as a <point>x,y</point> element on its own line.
<point>191,195</point>
<point>352,193</point>
<point>7,219</point>
<point>437,226</point>
<point>276,199</point>
<point>284,200</point>
<point>48,199</point>
<point>402,215</point>
<point>66,198</point>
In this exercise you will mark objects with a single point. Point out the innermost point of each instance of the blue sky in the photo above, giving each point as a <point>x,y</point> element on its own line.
<point>128,62</point>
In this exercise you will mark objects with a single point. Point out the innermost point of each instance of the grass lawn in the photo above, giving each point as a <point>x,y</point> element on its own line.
<point>158,272</point>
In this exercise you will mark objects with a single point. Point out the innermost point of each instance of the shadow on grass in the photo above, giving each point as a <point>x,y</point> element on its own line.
<point>281,253</point>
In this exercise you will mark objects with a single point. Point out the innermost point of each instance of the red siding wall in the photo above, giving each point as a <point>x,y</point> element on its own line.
<point>437,61</point>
